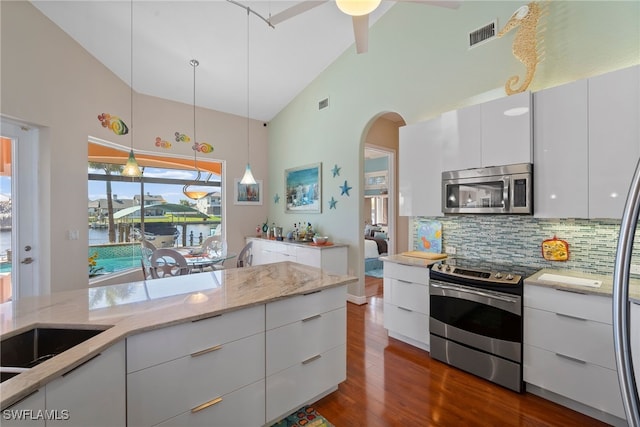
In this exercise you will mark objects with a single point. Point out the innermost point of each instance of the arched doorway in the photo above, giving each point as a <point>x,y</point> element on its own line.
<point>379,214</point>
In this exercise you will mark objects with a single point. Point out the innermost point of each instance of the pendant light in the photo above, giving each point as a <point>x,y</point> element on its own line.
<point>131,168</point>
<point>194,190</point>
<point>248,178</point>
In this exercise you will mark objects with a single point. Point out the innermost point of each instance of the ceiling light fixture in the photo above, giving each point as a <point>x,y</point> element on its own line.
<point>357,7</point>
<point>131,168</point>
<point>194,190</point>
<point>248,178</point>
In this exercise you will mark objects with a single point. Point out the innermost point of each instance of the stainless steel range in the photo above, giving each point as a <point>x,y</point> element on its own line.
<point>475,319</point>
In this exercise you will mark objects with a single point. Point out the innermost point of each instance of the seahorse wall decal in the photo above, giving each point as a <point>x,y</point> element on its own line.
<point>527,45</point>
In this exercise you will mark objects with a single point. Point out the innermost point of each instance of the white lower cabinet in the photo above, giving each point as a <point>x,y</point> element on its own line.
<point>333,259</point>
<point>241,408</point>
<point>568,348</point>
<point>242,368</point>
<point>93,393</point>
<point>25,413</point>
<point>305,338</point>
<point>184,372</point>
<point>406,303</point>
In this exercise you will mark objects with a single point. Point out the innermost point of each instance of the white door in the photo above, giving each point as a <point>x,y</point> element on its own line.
<point>19,187</point>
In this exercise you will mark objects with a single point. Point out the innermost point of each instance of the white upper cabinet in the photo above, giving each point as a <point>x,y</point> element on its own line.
<point>506,130</point>
<point>420,169</point>
<point>614,139</point>
<point>461,138</point>
<point>561,161</point>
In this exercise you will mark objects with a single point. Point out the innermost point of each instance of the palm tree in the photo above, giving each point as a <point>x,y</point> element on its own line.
<point>109,168</point>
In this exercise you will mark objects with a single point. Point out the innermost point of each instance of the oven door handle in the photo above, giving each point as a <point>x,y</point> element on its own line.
<point>475,292</point>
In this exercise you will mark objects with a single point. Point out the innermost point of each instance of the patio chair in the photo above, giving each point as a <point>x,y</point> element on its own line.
<point>167,262</point>
<point>246,256</point>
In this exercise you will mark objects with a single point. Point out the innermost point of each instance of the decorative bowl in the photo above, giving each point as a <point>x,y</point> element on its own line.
<point>320,240</point>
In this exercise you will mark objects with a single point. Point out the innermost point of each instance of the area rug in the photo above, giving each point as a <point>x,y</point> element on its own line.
<point>306,416</point>
<point>374,273</point>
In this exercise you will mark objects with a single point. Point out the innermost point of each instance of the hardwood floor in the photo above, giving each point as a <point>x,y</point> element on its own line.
<point>390,383</point>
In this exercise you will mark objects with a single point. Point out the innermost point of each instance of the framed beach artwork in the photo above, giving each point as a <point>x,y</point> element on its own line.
<point>247,194</point>
<point>303,189</point>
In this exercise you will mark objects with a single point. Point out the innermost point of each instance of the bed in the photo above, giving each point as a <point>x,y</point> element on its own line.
<point>373,248</point>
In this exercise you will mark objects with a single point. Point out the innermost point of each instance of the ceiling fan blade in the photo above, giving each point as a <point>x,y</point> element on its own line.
<point>295,10</point>
<point>451,4</point>
<point>361,32</point>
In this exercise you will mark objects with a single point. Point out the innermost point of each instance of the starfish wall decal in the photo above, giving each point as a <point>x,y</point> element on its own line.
<point>332,203</point>
<point>276,199</point>
<point>336,171</point>
<point>345,189</point>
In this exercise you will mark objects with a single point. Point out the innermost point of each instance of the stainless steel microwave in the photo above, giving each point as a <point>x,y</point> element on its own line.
<point>492,190</point>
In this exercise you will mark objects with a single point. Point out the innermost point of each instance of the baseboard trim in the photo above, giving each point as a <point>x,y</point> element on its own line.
<point>355,299</point>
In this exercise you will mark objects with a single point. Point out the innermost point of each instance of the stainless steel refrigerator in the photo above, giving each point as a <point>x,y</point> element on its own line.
<point>622,327</point>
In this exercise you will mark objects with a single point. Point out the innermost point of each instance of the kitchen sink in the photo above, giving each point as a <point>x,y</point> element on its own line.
<point>30,348</point>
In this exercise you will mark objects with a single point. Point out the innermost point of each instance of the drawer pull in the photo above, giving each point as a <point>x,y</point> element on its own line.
<point>206,405</point>
<point>311,293</point>
<point>573,359</point>
<point>571,317</point>
<point>317,316</point>
<point>206,350</point>
<point>404,281</point>
<point>571,291</point>
<point>311,359</point>
<point>405,309</point>
<point>80,365</point>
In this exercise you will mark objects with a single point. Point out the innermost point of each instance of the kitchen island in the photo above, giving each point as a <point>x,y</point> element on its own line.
<point>181,334</point>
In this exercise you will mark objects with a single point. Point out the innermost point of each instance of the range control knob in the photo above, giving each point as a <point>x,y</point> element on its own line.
<point>439,266</point>
<point>448,268</point>
<point>509,276</point>
<point>498,275</point>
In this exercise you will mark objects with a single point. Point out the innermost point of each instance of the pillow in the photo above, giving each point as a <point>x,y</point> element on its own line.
<point>380,235</point>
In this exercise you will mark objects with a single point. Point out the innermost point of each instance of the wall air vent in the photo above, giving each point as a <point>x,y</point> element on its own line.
<point>323,104</point>
<point>483,34</point>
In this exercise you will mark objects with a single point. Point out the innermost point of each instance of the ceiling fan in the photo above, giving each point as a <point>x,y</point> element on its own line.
<point>359,11</point>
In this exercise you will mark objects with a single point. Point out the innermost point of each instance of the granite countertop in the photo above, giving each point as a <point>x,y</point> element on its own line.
<point>131,308</point>
<point>308,244</point>
<point>605,289</point>
<point>406,260</point>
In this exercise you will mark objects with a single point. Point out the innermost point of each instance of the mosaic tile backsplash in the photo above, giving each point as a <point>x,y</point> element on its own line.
<point>513,239</point>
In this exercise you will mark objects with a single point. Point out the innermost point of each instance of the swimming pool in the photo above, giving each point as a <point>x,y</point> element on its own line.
<point>117,257</point>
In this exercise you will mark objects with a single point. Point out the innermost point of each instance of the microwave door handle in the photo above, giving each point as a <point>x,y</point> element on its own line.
<point>506,193</point>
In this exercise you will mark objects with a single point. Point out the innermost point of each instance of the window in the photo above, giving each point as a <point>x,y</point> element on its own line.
<point>118,221</point>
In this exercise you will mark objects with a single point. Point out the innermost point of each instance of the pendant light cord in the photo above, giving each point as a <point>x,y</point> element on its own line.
<point>248,139</point>
<point>194,63</point>
<point>131,82</point>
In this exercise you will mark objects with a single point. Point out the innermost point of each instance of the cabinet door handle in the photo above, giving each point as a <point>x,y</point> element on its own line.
<point>206,405</point>
<point>311,293</point>
<point>206,350</point>
<point>405,309</point>
<point>573,359</point>
<point>404,281</point>
<point>571,317</point>
<point>317,316</point>
<point>311,359</point>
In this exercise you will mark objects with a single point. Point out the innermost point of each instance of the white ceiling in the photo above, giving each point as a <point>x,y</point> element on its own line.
<point>168,34</point>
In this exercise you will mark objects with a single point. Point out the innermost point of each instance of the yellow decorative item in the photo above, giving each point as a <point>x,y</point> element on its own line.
<point>527,45</point>
<point>555,249</point>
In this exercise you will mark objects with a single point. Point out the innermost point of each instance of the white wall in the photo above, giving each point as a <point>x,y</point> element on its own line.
<point>48,80</point>
<point>419,66</point>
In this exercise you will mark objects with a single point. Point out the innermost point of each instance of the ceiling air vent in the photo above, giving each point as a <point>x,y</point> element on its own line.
<point>323,104</point>
<point>482,34</point>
